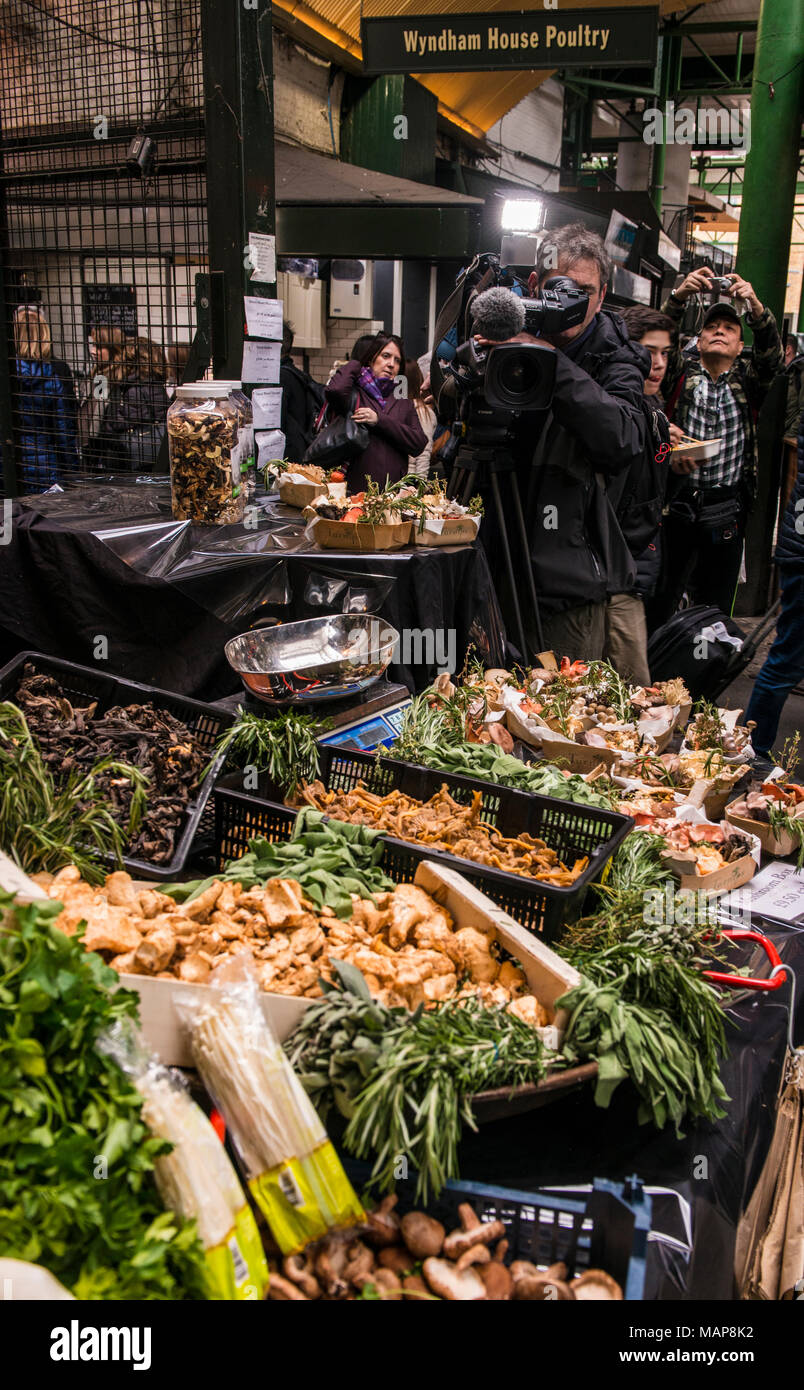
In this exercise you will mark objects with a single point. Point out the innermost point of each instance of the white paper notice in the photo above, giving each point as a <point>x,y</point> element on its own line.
<point>270,445</point>
<point>263,317</point>
<point>260,361</point>
<point>777,892</point>
<point>266,402</point>
<point>262,254</point>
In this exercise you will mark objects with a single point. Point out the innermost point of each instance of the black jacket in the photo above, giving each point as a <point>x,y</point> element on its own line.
<point>790,542</point>
<point>301,398</point>
<point>638,494</point>
<point>596,429</point>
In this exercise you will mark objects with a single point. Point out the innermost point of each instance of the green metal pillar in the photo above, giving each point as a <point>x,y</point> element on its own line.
<point>669,62</point>
<point>800,328</point>
<point>389,124</point>
<point>769,187</point>
<point>238,91</point>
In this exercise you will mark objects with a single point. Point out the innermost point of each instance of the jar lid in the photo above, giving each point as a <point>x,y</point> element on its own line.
<point>233,385</point>
<point>208,390</point>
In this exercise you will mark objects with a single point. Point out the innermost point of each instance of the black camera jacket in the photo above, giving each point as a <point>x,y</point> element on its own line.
<point>597,428</point>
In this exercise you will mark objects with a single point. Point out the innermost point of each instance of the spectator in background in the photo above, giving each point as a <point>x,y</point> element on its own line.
<point>638,498</point>
<point>784,665</point>
<point>420,464</point>
<point>358,348</point>
<point>302,399</point>
<point>45,406</point>
<point>394,429</point>
<point>122,420</point>
<point>794,371</point>
<point>715,393</point>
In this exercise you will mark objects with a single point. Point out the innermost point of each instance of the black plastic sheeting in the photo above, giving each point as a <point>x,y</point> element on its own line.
<point>104,559</point>
<point>710,1172</point>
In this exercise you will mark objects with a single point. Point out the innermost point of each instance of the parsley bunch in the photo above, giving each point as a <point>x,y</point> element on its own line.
<point>77,1193</point>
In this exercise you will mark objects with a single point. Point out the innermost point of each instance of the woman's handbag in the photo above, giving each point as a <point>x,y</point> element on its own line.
<point>338,440</point>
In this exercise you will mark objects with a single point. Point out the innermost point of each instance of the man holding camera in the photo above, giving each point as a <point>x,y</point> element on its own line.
<point>715,394</point>
<point>596,428</point>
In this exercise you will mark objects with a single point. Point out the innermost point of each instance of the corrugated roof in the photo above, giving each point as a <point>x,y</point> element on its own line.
<point>478,99</point>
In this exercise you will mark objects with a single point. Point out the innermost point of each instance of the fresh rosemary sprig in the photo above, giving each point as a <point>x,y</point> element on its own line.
<point>45,825</point>
<point>284,747</point>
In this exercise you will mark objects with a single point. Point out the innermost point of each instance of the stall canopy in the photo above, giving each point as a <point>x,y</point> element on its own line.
<point>327,208</point>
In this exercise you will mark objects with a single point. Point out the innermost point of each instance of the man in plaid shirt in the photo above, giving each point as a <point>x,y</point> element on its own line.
<point>714,394</point>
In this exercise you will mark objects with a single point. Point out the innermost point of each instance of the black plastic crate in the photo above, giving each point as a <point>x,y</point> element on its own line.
<point>605,1226</point>
<point>570,829</point>
<point>83,684</point>
<point>542,907</point>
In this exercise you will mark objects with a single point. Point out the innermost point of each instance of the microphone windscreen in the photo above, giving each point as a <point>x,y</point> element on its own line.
<point>497,314</point>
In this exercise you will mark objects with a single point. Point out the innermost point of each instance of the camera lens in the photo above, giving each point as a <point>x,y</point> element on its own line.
<point>519,377</point>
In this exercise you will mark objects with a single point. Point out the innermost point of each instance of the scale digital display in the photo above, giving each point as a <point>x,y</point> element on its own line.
<point>375,731</point>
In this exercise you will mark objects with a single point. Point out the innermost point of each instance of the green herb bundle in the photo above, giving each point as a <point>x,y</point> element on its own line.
<point>646,1012</point>
<point>404,1081</point>
<point>330,860</point>
<point>284,747</point>
<point>42,825</point>
<point>77,1193</point>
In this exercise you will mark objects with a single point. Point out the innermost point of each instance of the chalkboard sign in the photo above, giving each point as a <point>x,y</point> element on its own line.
<point>111,305</point>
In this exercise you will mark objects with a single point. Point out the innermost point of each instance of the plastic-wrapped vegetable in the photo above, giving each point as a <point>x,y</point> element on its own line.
<point>196,1179</point>
<point>294,1174</point>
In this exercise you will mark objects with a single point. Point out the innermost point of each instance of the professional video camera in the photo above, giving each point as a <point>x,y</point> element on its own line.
<point>516,376</point>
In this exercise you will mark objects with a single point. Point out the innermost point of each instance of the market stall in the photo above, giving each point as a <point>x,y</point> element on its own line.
<point>106,562</point>
<point>611,1014</point>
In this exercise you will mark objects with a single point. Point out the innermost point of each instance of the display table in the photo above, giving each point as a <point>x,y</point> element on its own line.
<point>101,572</point>
<point>713,1168</point>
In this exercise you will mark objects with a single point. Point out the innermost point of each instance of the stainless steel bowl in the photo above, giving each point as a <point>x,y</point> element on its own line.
<point>318,659</point>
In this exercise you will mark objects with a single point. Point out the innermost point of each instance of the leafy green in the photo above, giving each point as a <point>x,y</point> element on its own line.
<point>77,1193</point>
<point>405,1080</point>
<point>645,1011</point>
<point>329,859</point>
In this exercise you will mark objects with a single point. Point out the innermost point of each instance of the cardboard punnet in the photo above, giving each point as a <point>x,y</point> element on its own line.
<point>456,530</point>
<point>298,491</point>
<point>358,536</point>
<point>778,843</point>
<point>547,974</point>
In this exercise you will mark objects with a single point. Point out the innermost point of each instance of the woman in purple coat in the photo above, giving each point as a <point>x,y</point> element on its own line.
<point>394,429</point>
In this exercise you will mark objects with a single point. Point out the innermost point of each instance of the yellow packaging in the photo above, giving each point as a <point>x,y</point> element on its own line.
<point>238,1266</point>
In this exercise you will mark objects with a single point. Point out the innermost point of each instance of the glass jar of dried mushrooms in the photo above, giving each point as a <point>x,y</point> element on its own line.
<point>205,464</point>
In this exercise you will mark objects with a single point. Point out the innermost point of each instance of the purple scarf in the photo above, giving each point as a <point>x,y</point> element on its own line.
<point>378,388</point>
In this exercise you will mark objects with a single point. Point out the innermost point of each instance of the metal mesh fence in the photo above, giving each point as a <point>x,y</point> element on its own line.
<point>102,227</point>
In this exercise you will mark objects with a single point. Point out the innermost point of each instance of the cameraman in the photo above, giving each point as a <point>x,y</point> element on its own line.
<point>714,393</point>
<point>595,429</point>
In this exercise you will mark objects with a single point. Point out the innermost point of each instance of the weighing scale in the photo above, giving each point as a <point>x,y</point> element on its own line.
<point>362,722</point>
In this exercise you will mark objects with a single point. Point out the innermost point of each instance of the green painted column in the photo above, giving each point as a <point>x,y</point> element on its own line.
<point>800,327</point>
<point>766,217</point>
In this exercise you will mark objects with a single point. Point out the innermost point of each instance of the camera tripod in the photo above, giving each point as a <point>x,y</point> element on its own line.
<point>475,464</point>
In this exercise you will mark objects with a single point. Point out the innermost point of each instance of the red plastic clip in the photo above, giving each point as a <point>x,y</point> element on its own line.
<point>777,979</point>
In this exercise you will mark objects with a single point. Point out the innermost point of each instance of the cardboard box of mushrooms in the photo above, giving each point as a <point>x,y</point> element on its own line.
<point>415,1257</point>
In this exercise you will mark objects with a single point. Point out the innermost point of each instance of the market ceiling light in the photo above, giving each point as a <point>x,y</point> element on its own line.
<point>522,214</point>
